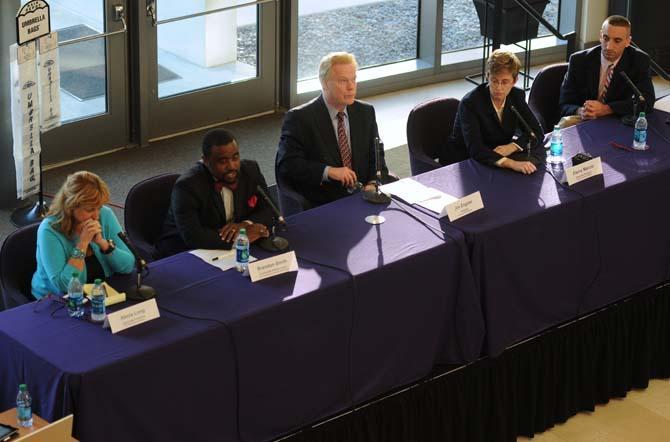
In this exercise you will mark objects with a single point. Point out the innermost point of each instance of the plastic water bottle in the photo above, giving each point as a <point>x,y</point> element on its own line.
<point>24,411</point>
<point>98,302</point>
<point>242,251</point>
<point>75,299</point>
<point>640,137</point>
<point>556,146</point>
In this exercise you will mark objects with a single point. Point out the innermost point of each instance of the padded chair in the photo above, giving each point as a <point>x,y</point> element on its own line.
<point>147,205</point>
<point>429,126</point>
<point>17,266</point>
<point>290,201</point>
<point>544,95</point>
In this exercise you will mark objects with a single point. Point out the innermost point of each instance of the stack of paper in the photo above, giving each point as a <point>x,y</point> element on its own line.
<point>416,193</point>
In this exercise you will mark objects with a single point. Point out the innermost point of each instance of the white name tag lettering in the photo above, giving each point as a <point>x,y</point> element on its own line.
<point>266,268</point>
<point>134,315</point>
<point>463,206</point>
<point>583,171</point>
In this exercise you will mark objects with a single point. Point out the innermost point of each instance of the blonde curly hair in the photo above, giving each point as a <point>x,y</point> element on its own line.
<point>81,189</point>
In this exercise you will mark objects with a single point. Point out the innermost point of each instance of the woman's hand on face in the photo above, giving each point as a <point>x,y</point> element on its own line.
<point>90,230</point>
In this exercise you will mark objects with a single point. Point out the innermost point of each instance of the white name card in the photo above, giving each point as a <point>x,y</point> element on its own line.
<point>265,268</point>
<point>134,315</point>
<point>583,171</point>
<point>464,206</point>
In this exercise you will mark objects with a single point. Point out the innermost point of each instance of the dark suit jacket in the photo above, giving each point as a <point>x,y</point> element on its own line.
<point>583,77</point>
<point>197,212</point>
<point>308,144</point>
<point>477,130</point>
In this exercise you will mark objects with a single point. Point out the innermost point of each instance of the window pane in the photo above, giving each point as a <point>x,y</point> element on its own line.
<point>205,51</point>
<point>83,66</point>
<point>376,32</point>
<point>551,15</point>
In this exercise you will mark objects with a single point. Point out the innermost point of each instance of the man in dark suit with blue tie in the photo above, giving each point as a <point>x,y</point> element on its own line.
<point>593,86</point>
<point>327,145</point>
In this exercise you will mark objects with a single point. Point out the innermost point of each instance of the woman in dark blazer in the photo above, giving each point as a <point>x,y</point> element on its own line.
<point>486,127</point>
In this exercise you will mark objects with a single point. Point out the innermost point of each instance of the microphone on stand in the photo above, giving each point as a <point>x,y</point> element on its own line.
<point>638,99</point>
<point>273,243</point>
<point>527,127</point>
<point>376,196</point>
<point>138,292</point>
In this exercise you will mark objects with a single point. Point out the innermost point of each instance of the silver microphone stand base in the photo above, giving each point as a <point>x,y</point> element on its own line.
<point>375,219</point>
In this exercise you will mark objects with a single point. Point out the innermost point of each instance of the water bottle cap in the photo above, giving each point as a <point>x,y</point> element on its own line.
<point>642,114</point>
<point>97,281</point>
<point>243,230</point>
<point>75,274</point>
<point>23,387</point>
<point>557,127</point>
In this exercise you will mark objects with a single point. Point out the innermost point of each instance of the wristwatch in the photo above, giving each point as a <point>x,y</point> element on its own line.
<point>111,247</point>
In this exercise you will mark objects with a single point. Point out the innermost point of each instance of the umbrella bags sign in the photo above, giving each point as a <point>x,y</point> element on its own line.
<point>25,118</point>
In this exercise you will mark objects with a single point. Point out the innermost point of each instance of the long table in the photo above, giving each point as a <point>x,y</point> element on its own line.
<point>232,360</point>
<point>371,308</point>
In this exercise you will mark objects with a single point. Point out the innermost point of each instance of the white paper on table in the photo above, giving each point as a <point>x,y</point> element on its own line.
<point>409,190</point>
<point>663,104</point>
<point>226,259</point>
<point>437,204</point>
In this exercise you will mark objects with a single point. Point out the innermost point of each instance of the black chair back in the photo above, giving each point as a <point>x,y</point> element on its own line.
<point>290,201</point>
<point>147,205</point>
<point>17,265</point>
<point>544,95</point>
<point>429,126</point>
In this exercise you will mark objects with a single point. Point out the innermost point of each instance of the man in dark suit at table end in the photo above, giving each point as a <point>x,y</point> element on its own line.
<point>327,145</point>
<point>214,199</point>
<point>593,86</point>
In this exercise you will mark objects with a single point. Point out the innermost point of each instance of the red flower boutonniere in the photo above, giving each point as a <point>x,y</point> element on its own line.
<point>251,202</point>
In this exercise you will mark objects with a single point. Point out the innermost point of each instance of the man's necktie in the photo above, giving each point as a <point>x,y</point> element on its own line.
<point>345,151</point>
<point>608,78</point>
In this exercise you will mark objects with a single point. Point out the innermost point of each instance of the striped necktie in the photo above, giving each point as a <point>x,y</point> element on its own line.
<point>606,85</point>
<point>342,141</point>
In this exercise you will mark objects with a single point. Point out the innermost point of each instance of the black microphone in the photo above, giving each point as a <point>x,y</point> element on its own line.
<point>636,91</point>
<point>141,263</point>
<point>273,243</point>
<point>638,98</point>
<point>524,123</point>
<point>138,292</point>
<point>272,205</point>
<point>376,196</point>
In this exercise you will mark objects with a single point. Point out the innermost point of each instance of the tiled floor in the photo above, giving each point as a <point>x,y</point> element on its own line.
<point>643,415</point>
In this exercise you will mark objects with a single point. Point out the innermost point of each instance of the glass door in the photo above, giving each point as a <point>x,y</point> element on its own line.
<point>209,61</point>
<point>92,38</point>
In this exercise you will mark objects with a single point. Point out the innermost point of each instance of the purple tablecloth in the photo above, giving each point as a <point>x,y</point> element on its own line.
<point>414,297</point>
<point>542,254</point>
<point>177,377</point>
<point>371,309</point>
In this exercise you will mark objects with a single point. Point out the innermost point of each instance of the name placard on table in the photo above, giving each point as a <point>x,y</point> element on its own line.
<point>583,171</point>
<point>131,316</point>
<point>464,206</point>
<point>266,268</point>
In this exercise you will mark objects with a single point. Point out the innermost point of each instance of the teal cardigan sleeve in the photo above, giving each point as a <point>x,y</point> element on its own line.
<point>53,252</point>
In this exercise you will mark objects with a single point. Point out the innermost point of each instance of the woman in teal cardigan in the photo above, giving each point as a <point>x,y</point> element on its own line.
<point>78,236</point>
